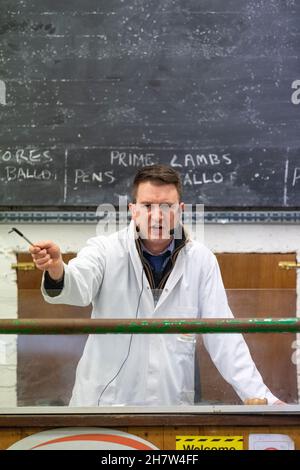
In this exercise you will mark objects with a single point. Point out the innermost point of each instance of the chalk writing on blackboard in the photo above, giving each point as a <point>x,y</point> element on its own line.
<point>26,164</point>
<point>21,155</point>
<point>83,176</point>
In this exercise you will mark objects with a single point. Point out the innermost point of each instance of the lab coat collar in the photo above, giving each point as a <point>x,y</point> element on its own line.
<point>174,277</point>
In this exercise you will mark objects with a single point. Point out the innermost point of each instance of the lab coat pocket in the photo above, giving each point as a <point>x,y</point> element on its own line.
<point>185,344</point>
<point>181,345</point>
<point>183,355</point>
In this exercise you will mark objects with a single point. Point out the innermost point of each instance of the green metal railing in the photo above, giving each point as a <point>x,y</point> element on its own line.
<point>147,326</point>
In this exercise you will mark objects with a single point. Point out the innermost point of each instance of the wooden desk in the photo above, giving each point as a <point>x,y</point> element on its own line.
<point>157,425</point>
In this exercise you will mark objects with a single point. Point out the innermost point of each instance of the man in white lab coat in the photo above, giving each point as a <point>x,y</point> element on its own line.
<point>151,269</point>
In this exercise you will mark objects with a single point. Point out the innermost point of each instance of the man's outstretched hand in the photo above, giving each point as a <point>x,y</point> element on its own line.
<point>47,257</point>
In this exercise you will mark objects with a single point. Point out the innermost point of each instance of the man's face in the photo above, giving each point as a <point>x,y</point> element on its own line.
<point>156,211</point>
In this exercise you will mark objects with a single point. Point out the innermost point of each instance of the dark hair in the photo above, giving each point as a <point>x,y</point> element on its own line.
<point>157,174</point>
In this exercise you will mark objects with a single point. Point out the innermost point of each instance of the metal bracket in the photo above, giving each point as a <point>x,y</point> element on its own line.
<point>288,265</point>
<point>29,266</point>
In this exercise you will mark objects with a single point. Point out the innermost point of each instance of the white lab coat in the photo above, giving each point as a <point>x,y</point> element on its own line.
<point>159,369</point>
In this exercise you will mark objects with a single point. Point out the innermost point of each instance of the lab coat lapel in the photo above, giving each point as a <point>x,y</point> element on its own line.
<point>133,254</point>
<point>174,277</point>
<point>138,267</point>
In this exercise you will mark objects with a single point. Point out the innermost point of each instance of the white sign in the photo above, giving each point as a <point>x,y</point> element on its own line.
<point>82,439</point>
<point>270,442</point>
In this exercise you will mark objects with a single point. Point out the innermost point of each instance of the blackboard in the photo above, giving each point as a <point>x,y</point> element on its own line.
<point>90,90</point>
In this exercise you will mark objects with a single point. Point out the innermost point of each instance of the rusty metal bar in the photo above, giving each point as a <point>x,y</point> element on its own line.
<point>147,326</point>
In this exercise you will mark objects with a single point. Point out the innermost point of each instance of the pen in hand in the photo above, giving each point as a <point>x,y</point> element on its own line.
<point>46,256</point>
<point>21,235</point>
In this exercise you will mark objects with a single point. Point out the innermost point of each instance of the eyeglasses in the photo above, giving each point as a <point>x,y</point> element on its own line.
<point>165,207</point>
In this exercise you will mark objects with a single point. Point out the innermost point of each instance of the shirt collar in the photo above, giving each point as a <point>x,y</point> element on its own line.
<point>170,248</point>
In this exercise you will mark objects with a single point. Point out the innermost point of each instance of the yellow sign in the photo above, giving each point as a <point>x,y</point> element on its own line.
<point>209,442</point>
